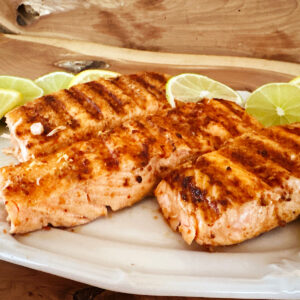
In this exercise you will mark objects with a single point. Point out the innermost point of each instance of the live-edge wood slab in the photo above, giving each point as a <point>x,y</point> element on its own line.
<point>31,57</point>
<point>254,28</point>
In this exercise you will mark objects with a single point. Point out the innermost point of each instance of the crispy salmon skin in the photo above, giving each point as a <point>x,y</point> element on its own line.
<point>57,120</point>
<point>116,169</point>
<point>244,189</point>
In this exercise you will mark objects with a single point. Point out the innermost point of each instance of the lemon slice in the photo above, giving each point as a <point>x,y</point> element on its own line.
<point>26,87</point>
<point>190,87</point>
<point>275,104</point>
<point>8,100</point>
<point>89,75</point>
<point>295,81</point>
<point>54,81</point>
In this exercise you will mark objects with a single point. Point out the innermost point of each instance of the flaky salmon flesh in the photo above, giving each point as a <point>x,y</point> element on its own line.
<point>54,121</point>
<point>246,188</point>
<point>116,169</point>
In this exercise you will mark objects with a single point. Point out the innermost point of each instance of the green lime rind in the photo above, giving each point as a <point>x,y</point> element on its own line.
<point>26,87</point>
<point>9,99</point>
<point>275,104</point>
<point>190,87</point>
<point>54,81</point>
<point>92,74</point>
<point>295,81</point>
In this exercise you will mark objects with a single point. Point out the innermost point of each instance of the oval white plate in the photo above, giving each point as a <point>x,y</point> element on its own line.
<point>135,251</point>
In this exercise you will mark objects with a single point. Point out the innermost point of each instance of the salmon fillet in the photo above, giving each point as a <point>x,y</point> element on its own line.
<point>244,189</point>
<point>117,169</point>
<point>57,120</point>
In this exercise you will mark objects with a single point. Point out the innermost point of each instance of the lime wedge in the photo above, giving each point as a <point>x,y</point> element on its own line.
<point>295,81</point>
<point>190,87</point>
<point>275,104</point>
<point>90,75</point>
<point>26,87</point>
<point>54,81</point>
<point>8,100</point>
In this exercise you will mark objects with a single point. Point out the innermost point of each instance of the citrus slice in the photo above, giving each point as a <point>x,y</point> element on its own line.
<point>8,100</point>
<point>26,87</point>
<point>295,81</point>
<point>275,104</point>
<point>89,75</point>
<point>54,81</point>
<point>190,87</point>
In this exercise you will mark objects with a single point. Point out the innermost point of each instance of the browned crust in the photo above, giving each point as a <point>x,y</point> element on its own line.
<point>152,145</point>
<point>84,110</point>
<point>255,167</point>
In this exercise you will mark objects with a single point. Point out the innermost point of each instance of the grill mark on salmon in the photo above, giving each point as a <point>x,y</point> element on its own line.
<point>274,151</point>
<point>59,108</point>
<point>128,92</point>
<point>231,107</point>
<point>85,111</point>
<point>287,137</point>
<point>86,102</point>
<point>117,169</point>
<point>218,176</point>
<point>144,98</point>
<point>157,84</point>
<point>146,85</point>
<point>187,128</point>
<point>220,117</point>
<point>144,81</point>
<point>255,163</point>
<point>114,102</point>
<point>166,141</point>
<point>158,77</point>
<point>251,186</point>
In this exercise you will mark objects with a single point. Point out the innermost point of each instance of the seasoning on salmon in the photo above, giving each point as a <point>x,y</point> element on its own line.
<point>55,121</point>
<point>117,169</point>
<point>244,189</point>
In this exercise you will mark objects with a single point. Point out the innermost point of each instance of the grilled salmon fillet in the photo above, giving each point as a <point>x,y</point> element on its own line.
<point>246,188</point>
<point>116,169</point>
<point>54,121</point>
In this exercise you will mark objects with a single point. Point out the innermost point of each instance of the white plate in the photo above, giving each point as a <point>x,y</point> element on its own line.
<point>134,251</point>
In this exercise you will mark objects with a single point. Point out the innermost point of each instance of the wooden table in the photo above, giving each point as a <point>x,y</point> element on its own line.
<point>262,29</point>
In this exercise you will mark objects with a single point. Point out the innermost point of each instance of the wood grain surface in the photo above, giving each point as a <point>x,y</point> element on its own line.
<point>31,57</point>
<point>254,28</point>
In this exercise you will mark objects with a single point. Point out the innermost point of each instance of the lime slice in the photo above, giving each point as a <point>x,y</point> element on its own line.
<point>54,81</point>
<point>295,81</point>
<point>275,104</point>
<point>8,100</point>
<point>26,87</point>
<point>90,75</point>
<point>189,87</point>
